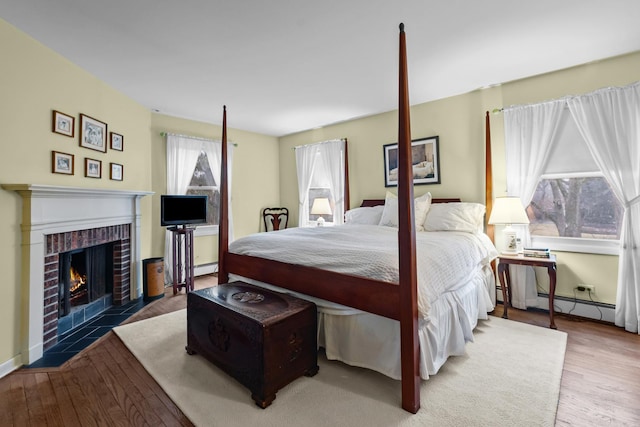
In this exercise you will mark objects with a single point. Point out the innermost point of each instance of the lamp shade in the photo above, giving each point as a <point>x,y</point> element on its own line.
<point>321,206</point>
<point>508,210</point>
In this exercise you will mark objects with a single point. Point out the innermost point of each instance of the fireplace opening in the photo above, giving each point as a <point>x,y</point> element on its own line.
<point>86,276</point>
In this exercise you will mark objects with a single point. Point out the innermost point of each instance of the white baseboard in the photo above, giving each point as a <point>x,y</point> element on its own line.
<point>581,308</point>
<point>10,365</point>
<point>201,270</point>
<point>604,312</point>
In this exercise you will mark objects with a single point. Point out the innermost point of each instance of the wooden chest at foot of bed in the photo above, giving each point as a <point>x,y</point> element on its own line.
<point>263,339</point>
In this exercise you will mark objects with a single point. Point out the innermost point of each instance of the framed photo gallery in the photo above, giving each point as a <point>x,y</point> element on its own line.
<point>93,135</point>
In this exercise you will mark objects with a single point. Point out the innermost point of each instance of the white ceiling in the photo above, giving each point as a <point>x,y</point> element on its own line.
<point>283,66</point>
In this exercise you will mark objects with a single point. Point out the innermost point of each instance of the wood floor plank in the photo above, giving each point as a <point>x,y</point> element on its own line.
<point>37,417</point>
<point>122,388</point>
<point>6,417</point>
<point>145,384</point>
<point>94,385</point>
<point>86,407</point>
<point>63,399</point>
<point>49,403</point>
<point>18,401</point>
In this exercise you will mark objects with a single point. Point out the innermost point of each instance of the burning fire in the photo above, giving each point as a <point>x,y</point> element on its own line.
<point>76,279</point>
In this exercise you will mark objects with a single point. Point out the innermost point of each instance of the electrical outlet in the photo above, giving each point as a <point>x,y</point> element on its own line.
<point>585,288</point>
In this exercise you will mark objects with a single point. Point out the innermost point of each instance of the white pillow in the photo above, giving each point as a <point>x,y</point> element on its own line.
<point>460,216</point>
<point>390,213</point>
<point>365,216</point>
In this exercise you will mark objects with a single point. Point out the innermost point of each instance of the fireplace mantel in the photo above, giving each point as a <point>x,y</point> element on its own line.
<point>48,209</point>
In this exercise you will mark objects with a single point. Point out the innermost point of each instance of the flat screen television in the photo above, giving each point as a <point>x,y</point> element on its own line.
<point>184,210</point>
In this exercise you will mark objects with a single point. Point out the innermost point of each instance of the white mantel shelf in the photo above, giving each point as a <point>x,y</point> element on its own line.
<point>80,191</point>
<point>49,209</point>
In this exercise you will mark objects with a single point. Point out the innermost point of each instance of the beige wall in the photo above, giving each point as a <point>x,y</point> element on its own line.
<point>33,82</point>
<point>460,132</point>
<point>255,177</point>
<point>459,122</point>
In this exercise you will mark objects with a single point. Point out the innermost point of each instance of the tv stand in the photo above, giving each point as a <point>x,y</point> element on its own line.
<point>182,239</point>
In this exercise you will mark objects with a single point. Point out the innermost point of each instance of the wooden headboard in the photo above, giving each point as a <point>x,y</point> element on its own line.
<point>367,203</point>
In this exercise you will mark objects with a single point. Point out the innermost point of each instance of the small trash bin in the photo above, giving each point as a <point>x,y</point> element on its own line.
<point>153,278</point>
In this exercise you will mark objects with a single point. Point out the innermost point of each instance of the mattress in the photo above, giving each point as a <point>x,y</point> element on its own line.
<point>445,260</point>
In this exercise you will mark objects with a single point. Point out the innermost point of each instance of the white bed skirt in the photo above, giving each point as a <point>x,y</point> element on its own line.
<point>370,341</point>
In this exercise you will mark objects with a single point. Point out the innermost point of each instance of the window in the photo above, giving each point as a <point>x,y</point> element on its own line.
<point>582,207</point>
<point>321,173</point>
<point>573,207</point>
<point>320,188</point>
<point>203,183</point>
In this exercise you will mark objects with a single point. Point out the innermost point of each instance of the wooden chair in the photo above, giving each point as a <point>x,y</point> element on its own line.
<point>275,218</point>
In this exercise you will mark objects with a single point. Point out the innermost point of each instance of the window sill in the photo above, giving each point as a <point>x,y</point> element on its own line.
<point>577,245</point>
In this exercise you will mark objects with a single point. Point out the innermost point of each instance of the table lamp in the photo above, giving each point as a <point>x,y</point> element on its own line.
<point>508,211</point>
<point>321,207</point>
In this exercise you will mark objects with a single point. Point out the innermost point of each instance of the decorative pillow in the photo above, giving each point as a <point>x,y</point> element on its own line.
<point>390,213</point>
<point>461,216</point>
<point>364,216</point>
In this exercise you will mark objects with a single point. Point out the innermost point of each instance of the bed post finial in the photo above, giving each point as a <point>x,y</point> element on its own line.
<point>223,223</point>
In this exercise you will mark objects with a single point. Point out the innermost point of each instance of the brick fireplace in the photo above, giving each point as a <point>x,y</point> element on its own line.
<point>55,218</point>
<point>60,243</point>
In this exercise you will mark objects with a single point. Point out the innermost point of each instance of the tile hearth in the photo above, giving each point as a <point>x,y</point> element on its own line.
<point>80,338</point>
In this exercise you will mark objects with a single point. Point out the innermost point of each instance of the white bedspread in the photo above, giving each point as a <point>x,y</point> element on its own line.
<point>444,259</point>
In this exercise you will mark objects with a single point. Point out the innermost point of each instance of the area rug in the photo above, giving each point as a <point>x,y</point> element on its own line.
<point>510,376</point>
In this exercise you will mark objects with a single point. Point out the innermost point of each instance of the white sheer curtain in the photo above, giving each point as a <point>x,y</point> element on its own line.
<point>530,132</point>
<point>182,156</point>
<point>609,120</point>
<point>332,153</point>
<point>214,155</point>
<point>305,163</point>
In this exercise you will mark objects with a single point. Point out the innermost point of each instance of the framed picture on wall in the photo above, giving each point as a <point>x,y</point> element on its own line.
<point>117,141</point>
<point>63,124</point>
<point>61,163</point>
<point>93,133</point>
<point>117,171</point>
<point>425,158</point>
<point>92,168</point>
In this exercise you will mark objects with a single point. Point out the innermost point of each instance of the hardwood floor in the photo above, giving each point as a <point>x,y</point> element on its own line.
<point>105,384</point>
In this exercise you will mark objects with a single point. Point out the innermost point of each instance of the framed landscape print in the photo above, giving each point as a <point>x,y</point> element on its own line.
<point>117,141</point>
<point>116,172</point>
<point>93,133</point>
<point>92,168</point>
<point>63,124</point>
<point>425,158</point>
<point>61,163</point>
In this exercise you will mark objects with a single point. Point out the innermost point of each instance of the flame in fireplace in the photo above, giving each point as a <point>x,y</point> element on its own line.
<point>76,280</point>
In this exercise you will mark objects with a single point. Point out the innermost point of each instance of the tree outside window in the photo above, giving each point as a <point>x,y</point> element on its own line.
<point>579,207</point>
<point>203,183</point>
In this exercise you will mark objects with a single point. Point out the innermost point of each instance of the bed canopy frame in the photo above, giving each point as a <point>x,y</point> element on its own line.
<point>370,295</point>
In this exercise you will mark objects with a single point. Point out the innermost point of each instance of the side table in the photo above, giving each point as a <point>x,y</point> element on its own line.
<point>505,280</point>
<point>182,243</point>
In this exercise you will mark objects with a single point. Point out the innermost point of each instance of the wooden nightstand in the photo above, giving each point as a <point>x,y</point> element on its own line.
<point>505,281</point>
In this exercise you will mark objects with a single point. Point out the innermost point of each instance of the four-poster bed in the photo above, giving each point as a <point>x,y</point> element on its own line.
<point>397,301</point>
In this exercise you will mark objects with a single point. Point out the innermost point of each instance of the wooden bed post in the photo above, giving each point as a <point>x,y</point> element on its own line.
<point>488,179</point>
<point>347,202</point>
<point>223,224</point>
<point>409,347</point>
